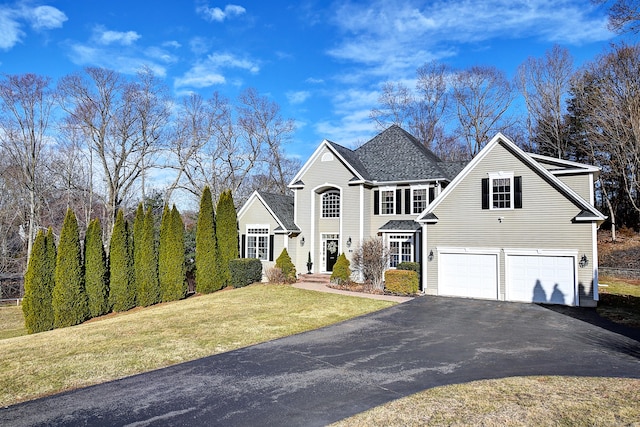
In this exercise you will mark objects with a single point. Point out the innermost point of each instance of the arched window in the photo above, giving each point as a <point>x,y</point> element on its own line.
<point>331,204</point>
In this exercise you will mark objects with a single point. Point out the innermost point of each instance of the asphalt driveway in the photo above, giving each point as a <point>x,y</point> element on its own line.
<point>323,376</point>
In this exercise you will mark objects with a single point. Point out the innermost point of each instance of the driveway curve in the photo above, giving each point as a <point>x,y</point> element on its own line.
<point>322,376</point>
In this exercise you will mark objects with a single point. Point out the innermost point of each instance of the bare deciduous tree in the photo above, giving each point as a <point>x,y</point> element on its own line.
<point>482,96</point>
<point>624,15</point>
<point>26,105</point>
<point>371,260</point>
<point>544,84</point>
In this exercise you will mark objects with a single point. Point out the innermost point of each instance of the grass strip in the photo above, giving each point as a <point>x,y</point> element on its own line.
<point>144,339</point>
<point>518,401</point>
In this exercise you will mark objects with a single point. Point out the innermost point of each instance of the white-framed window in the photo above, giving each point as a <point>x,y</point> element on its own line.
<point>258,242</point>
<point>419,199</point>
<point>501,190</point>
<point>400,249</point>
<point>387,201</point>
<point>331,204</point>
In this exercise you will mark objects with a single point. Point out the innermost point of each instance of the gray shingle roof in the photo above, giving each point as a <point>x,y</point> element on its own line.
<point>401,225</point>
<point>396,155</point>
<point>282,207</point>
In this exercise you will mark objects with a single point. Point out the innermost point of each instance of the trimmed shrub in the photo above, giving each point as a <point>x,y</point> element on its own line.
<point>341,274</point>
<point>148,292</point>
<point>284,263</point>
<point>173,285</point>
<point>208,278</point>
<point>275,275</point>
<point>96,273</point>
<point>245,271</point>
<point>38,287</point>
<point>411,266</point>
<point>403,282</point>
<point>69,298</point>
<point>122,291</point>
<point>226,235</point>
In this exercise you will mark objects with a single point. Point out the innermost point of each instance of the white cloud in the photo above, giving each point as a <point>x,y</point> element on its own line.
<point>373,33</point>
<point>46,18</point>
<point>297,97</point>
<point>40,18</point>
<point>209,72</point>
<point>314,80</point>
<point>218,15</point>
<point>107,37</point>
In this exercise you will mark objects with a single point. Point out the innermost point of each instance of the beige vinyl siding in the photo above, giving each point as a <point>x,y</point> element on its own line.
<point>544,222</point>
<point>319,177</point>
<point>257,213</point>
<point>580,183</point>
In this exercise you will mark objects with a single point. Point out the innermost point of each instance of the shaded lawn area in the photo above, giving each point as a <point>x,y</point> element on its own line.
<point>143,339</point>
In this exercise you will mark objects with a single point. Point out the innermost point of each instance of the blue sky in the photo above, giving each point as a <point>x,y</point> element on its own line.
<point>322,62</point>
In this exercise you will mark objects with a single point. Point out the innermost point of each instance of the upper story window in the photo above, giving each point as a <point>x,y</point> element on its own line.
<point>502,190</point>
<point>387,201</point>
<point>331,204</point>
<point>419,199</point>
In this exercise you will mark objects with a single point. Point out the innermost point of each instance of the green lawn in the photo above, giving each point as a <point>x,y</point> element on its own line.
<point>140,340</point>
<point>620,301</point>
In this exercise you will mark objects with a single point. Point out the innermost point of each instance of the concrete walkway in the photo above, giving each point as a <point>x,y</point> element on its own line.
<point>321,286</point>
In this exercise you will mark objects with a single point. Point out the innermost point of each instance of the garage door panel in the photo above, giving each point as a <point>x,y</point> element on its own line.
<point>468,275</point>
<point>542,279</point>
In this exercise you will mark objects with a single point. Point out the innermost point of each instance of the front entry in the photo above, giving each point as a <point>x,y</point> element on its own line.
<point>330,252</point>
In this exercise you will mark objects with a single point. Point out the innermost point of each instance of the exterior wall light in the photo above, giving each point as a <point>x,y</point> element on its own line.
<point>302,241</point>
<point>430,257</point>
<point>349,242</point>
<point>584,261</point>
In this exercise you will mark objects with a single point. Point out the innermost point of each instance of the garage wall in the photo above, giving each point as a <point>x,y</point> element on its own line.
<point>544,222</point>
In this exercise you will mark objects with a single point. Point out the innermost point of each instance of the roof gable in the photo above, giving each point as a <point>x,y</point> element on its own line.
<point>344,155</point>
<point>279,206</point>
<point>587,211</point>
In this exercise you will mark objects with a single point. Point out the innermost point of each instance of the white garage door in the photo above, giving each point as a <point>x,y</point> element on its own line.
<point>536,278</point>
<point>468,275</point>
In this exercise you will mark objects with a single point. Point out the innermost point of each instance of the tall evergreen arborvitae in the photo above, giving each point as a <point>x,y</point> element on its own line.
<point>207,277</point>
<point>96,274</point>
<point>226,235</point>
<point>135,245</point>
<point>122,292</point>
<point>171,268</point>
<point>148,285</point>
<point>69,300</point>
<point>38,288</point>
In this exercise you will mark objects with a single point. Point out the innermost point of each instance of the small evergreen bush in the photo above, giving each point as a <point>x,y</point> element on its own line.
<point>284,263</point>
<point>403,282</point>
<point>341,274</point>
<point>245,271</point>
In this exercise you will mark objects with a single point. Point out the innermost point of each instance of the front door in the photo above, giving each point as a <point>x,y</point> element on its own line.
<point>331,247</point>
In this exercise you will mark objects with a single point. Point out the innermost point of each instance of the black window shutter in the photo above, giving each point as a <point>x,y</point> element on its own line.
<point>432,194</point>
<point>376,202</point>
<point>243,244</point>
<point>407,201</point>
<point>485,193</point>
<point>517,192</point>
<point>271,247</point>
<point>398,202</point>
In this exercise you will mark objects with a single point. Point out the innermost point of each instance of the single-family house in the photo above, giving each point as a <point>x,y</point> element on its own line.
<point>508,225</point>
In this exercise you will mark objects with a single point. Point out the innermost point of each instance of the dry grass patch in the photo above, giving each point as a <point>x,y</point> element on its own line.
<point>11,322</point>
<point>620,301</point>
<point>145,339</point>
<point>519,401</point>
